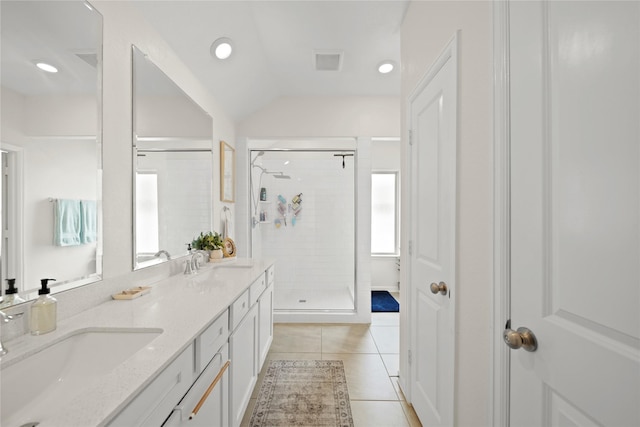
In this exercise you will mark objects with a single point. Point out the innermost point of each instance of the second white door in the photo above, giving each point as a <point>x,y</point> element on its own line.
<point>575,212</point>
<point>432,115</point>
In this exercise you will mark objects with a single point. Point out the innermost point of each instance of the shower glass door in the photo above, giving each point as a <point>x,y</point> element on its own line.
<point>303,209</point>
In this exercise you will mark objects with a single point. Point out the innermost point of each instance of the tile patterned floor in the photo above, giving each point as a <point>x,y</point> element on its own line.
<point>371,356</point>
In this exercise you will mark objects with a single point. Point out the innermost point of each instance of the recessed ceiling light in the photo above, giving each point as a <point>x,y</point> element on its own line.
<point>221,48</point>
<point>385,67</point>
<point>46,67</point>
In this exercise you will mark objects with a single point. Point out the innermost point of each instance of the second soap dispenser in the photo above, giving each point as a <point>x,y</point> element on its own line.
<point>11,296</point>
<point>44,313</point>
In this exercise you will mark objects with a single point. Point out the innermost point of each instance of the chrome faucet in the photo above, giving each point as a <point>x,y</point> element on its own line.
<point>194,260</point>
<point>6,318</point>
<point>188,269</point>
<point>162,251</point>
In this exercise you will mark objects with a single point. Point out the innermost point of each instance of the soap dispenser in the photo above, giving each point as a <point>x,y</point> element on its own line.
<point>43,311</point>
<point>11,296</point>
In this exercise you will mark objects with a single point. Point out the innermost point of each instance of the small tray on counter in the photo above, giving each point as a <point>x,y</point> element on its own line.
<point>132,293</point>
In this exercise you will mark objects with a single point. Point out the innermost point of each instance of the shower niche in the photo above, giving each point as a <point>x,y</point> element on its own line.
<point>303,209</point>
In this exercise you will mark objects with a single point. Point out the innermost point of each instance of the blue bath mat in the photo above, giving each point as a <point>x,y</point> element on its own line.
<point>382,301</point>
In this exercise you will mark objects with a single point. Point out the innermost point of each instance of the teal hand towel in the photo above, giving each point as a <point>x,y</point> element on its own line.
<point>89,229</point>
<point>67,222</point>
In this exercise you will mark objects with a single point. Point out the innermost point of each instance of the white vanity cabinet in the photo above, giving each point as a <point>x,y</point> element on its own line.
<point>215,375</point>
<point>152,406</point>
<point>265,319</point>
<point>207,401</point>
<point>249,342</point>
<point>172,396</point>
<point>243,349</point>
<point>206,404</point>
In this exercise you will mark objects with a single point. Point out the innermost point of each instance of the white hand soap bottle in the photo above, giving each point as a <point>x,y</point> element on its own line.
<point>44,311</point>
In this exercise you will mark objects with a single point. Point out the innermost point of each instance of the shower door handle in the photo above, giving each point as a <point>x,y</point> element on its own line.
<point>438,288</point>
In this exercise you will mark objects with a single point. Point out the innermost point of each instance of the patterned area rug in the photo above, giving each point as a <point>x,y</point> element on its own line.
<point>303,393</point>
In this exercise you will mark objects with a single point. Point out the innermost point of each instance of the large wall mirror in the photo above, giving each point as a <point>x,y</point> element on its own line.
<point>173,161</point>
<point>50,139</point>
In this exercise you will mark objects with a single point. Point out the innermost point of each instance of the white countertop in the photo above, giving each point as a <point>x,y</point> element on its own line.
<point>182,306</point>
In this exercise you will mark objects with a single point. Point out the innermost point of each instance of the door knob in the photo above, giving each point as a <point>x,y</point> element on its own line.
<point>522,338</point>
<point>439,288</point>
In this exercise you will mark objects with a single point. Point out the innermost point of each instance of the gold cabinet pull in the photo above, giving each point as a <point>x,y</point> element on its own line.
<point>208,392</point>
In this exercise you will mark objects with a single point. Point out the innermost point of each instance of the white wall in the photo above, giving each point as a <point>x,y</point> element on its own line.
<point>12,117</point>
<point>427,28</point>
<point>59,169</point>
<point>56,115</point>
<point>325,117</point>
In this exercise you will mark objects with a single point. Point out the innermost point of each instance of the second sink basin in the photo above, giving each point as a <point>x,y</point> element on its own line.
<point>50,378</point>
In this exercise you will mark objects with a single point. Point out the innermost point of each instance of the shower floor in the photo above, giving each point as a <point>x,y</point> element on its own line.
<point>313,299</point>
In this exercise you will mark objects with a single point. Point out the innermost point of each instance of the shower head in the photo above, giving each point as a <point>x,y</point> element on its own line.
<point>280,175</point>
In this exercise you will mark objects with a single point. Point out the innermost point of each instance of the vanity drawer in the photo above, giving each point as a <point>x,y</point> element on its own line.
<point>152,406</point>
<point>256,289</point>
<point>211,340</point>
<point>270,274</point>
<point>239,308</point>
<point>212,405</point>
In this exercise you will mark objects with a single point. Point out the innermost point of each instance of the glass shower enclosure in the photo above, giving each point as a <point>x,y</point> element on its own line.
<point>303,216</point>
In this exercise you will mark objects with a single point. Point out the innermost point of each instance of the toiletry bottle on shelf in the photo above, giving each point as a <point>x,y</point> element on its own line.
<point>11,296</point>
<point>263,194</point>
<point>43,311</point>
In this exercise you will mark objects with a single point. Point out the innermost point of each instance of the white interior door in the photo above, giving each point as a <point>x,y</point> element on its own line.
<point>575,212</point>
<point>432,115</point>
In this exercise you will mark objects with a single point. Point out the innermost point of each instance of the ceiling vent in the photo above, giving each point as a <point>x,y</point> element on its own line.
<point>327,60</point>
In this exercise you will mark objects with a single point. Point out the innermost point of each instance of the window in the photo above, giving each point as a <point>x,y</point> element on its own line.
<point>384,213</point>
<point>147,234</point>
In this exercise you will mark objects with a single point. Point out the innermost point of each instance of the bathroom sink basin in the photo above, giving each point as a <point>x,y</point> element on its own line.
<point>51,378</point>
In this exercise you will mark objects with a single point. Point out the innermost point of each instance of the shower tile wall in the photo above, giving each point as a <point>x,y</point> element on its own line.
<point>315,257</point>
<point>183,178</point>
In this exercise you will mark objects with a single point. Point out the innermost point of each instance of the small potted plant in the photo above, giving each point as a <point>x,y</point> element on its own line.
<point>211,242</point>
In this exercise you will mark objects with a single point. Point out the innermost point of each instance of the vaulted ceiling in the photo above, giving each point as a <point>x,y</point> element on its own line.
<point>275,44</point>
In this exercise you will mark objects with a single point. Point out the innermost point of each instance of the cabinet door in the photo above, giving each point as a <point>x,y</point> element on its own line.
<point>214,409</point>
<point>265,324</point>
<point>243,348</point>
